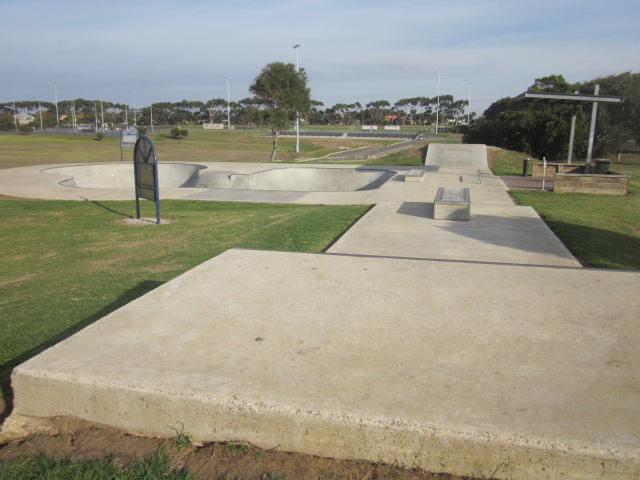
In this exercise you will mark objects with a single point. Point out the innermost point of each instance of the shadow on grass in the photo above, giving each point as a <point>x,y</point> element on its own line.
<point>6,369</point>
<point>599,248</point>
<point>108,209</point>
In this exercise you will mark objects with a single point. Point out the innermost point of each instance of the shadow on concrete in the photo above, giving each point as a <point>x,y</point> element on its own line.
<point>6,368</point>
<point>417,209</point>
<point>529,234</point>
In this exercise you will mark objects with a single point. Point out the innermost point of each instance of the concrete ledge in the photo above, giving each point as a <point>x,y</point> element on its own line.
<point>283,350</point>
<point>452,203</point>
<point>415,175</point>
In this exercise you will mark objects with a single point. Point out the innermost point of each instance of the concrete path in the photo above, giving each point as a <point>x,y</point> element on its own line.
<point>465,347</point>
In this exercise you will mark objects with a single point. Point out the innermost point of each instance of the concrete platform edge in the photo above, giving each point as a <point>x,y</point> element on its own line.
<point>432,448</point>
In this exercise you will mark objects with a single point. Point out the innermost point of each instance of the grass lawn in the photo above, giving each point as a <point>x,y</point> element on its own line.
<point>40,467</point>
<point>199,146</point>
<point>66,264</point>
<point>508,162</point>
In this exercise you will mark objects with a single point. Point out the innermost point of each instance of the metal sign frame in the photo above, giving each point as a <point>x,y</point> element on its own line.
<point>145,171</point>
<point>128,138</point>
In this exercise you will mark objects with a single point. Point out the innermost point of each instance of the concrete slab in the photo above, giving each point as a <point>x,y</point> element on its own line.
<point>450,366</point>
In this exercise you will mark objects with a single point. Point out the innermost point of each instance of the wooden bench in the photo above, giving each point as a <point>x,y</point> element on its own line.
<point>452,203</point>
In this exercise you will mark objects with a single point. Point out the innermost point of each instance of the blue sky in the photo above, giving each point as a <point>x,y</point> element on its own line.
<point>352,50</point>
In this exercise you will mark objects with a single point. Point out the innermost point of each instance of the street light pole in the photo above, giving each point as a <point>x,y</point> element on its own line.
<point>469,104</point>
<point>296,47</point>
<point>135,112</point>
<point>438,105</point>
<point>228,106</point>
<point>55,88</point>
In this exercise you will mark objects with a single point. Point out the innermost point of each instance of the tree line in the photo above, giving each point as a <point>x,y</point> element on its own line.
<point>406,111</point>
<point>543,130</point>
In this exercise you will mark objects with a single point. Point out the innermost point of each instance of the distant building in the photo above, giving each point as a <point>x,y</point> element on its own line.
<point>24,118</point>
<point>398,120</point>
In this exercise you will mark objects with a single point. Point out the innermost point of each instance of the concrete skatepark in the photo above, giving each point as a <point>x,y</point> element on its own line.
<point>468,347</point>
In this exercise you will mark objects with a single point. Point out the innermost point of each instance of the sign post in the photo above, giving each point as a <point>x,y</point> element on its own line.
<point>145,170</point>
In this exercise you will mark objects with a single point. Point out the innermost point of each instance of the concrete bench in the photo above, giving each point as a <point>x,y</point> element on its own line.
<point>414,176</point>
<point>452,203</point>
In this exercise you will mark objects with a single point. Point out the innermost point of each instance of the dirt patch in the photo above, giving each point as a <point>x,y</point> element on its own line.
<point>82,441</point>
<point>142,222</point>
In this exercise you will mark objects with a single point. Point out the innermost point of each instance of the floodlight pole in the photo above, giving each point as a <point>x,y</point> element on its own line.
<point>296,47</point>
<point>55,89</point>
<point>228,105</point>
<point>135,113</point>
<point>438,105</point>
<point>469,105</point>
<point>15,117</point>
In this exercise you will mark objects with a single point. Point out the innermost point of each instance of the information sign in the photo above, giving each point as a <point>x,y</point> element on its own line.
<point>145,170</point>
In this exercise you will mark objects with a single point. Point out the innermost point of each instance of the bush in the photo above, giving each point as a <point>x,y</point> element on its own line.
<point>184,132</point>
<point>99,136</point>
<point>25,129</point>
<point>175,132</point>
<point>142,130</point>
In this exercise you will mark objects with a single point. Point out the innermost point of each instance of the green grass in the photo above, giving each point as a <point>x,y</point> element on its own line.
<point>406,157</point>
<point>508,162</point>
<point>41,467</point>
<point>200,146</point>
<point>66,264</point>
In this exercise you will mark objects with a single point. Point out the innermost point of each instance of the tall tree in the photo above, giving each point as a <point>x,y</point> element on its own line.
<point>618,125</point>
<point>283,93</point>
<point>541,130</point>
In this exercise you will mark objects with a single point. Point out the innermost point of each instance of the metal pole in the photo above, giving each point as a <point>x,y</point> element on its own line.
<point>15,117</point>
<point>592,130</point>
<point>151,116</point>
<point>135,121</point>
<point>469,105</point>
<point>95,110</point>
<point>296,47</point>
<point>228,106</point>
<point>40,111</point>
<point>438,104</point>
<point>571,135</point>
<point>55,87</point>
<point>102,116</point>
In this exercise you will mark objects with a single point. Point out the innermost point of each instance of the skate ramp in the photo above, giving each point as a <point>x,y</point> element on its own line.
<point>454,155</point>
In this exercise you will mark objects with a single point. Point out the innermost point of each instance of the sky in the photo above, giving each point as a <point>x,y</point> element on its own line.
<point>142,52</point>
